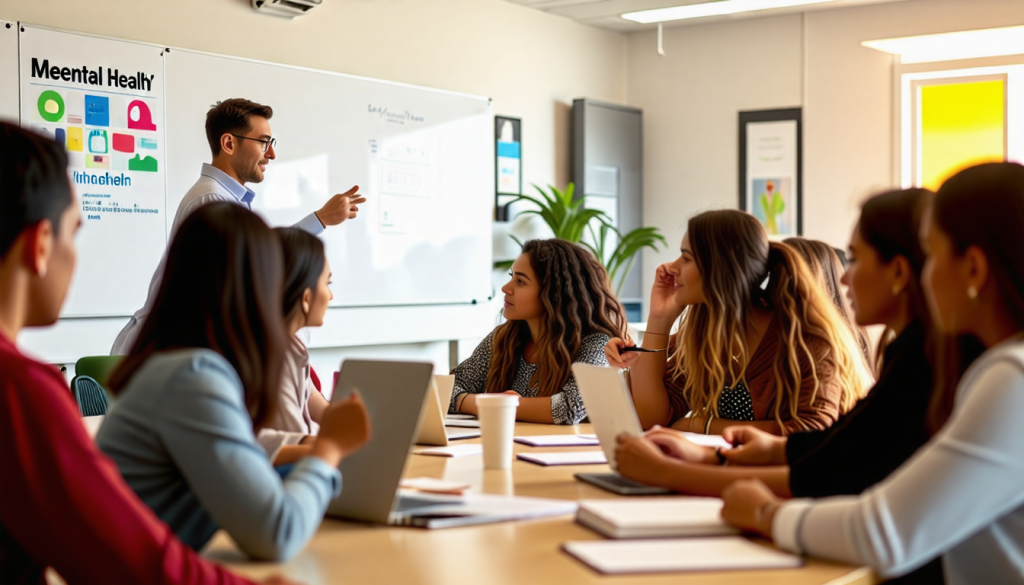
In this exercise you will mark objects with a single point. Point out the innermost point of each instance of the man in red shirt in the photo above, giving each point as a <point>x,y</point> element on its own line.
<point>62,503</point>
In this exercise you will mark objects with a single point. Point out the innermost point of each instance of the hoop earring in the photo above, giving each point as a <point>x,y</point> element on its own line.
<point>972,293</point>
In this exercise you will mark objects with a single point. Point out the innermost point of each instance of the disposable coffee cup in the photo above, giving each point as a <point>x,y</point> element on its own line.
<point>497,414</point>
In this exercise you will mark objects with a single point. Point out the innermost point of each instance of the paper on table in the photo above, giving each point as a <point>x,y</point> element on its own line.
<point>559,440</point>
<point>571,458</point>
<point>672,555</point>
<point>455,434</point>
<point>453,451</point>
<point>434,485</point>
<point>708,440</point>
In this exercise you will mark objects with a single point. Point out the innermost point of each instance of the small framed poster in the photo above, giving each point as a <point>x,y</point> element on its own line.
<point>771,169</point>
<point>508,164</point>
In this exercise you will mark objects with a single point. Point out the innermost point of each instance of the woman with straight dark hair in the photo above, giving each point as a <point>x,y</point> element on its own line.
<point>962,494</point>
<point>828,267</point>
<point>65,508</point>
<point>306,293</point>
<point>759,341</point>
<point>560,310</point>
<point>202,378</point>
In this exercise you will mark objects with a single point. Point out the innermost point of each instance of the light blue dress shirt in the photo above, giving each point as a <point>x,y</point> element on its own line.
<point>213,185</point>
<point>183,439</point>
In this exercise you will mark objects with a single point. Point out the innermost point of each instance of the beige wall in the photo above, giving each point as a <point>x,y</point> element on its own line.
<point>531,63</point>
<point>691,97</point>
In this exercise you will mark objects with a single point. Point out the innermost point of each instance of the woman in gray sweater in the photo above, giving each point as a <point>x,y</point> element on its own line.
<point>961,495</point>
<point>202,378</point>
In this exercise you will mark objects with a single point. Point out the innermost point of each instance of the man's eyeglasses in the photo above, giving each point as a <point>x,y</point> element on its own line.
<point>267,142</point>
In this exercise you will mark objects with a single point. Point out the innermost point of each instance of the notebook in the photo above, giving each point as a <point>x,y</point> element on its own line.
<point>676,555</point>
<point>432,424</point>
<point>570,458</point>
<point>559,440</point>
<point>654,517</point>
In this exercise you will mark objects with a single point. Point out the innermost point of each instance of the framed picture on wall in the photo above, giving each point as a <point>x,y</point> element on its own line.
<point>508,164</point>
<point>771,169</point>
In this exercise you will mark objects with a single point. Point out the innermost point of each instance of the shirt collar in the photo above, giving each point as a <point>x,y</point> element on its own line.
<point>236,189</point>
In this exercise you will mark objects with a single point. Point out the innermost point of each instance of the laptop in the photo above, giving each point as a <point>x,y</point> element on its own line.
<point>610,408</point>
<point>432,428</point>
<point>394,393</point>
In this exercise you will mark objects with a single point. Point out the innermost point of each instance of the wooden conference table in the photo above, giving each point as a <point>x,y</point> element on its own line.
<point>493,554</point>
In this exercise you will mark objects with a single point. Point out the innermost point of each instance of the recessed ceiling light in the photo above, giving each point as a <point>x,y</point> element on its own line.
<point>711,9</point>
<point>967,44</point>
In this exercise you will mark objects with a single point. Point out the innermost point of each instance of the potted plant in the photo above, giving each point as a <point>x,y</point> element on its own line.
<point>570,220</point>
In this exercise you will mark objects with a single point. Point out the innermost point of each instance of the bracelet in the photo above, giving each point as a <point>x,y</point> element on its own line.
<point>707,425</point>
<point>721,458</point>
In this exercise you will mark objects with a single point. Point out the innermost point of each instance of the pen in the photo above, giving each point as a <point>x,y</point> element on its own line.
<point>641,349</point>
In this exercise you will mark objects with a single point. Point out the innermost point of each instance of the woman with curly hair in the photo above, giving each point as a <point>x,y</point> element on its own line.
<point>559,310</point>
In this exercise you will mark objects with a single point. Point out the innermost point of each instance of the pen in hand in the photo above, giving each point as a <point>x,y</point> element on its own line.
<point>637,348</point>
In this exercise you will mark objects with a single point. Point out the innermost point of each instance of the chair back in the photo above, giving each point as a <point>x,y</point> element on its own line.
<point>98,367</point>
<point>90,396</point>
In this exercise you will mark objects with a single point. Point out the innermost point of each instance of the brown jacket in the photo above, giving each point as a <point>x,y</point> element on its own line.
<point>760,381</point>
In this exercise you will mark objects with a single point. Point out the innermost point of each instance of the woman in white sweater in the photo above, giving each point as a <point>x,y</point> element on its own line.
<point>962,494</point>
<point>307,279</point>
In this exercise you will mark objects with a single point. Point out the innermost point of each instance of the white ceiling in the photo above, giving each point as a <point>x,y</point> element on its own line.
<point>605,13</point>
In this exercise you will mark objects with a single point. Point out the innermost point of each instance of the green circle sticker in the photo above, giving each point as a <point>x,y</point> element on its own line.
<point>50,106</point>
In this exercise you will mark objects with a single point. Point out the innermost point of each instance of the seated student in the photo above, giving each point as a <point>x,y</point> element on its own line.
<point>307,291</point>
<point>204,373</point>
<point>962,494</point>
<point>560,310</point>
<point>64,504</point>
<point>828,267</point>
<point>759,342</point>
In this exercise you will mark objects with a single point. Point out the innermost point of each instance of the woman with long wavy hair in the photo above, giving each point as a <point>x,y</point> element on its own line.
<point>825,264</point>
<point>559,310</point>
<point>759,342</point>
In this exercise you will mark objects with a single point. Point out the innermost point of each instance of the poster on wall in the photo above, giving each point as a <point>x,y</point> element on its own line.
<point>508,167</point>
<point>102,99</point>
<point>770,170</point>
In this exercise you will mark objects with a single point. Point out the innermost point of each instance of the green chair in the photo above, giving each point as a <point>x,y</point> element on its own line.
<point>98,367</point>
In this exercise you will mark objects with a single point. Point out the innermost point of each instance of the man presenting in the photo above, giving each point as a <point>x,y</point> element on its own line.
<point>238,131</point>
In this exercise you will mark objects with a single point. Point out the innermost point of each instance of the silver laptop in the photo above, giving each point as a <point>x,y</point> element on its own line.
<point>611,412</point>
<point>432,428</point>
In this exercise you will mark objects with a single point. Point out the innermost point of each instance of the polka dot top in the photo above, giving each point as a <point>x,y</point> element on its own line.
<point>566,406</point>
<point>735,403</point>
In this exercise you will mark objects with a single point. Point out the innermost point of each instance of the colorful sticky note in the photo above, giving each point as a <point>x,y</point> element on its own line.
<point>124,142</point>
<point>50,106</point>
<point>58,135</point>
<point>97,110</point>
<point>147,142</point>
<point>96,161</point>
<point>98,141</point>
<point>140,163</point>
<point>139,116</point>
<point>75,139</point>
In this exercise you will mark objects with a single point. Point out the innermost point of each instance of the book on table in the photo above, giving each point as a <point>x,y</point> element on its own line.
<point>654,517</point>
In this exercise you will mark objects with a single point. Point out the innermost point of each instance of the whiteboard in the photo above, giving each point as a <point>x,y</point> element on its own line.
<point>423,157</point>
<point>8,71</point>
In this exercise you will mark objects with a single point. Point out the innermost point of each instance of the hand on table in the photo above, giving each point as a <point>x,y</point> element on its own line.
<point>640,459</point>
<point>341,207</point>
<point>675,445</point>
<point>752,446</point>
<point>750,506</point>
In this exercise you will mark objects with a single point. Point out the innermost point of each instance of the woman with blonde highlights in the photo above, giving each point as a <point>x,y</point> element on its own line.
<point>560,309</point>
<point>758,343</point>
